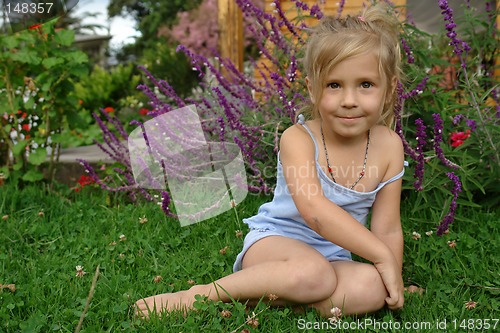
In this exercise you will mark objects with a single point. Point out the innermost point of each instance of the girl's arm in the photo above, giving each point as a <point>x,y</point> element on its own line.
<point>386,222</point>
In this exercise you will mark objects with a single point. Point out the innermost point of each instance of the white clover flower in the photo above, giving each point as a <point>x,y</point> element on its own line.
<point>79,271</point>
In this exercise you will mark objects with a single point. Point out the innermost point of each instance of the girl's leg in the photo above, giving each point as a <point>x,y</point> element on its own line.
<point>287,268</point>
<point>359,290</point>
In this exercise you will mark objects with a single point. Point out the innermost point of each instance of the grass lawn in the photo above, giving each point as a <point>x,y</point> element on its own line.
<point>45,235</point>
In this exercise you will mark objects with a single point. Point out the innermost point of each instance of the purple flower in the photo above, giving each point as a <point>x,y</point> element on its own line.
<point>458,46</point>
<point>165,203</point>
<point>398,108</point>
<point>341,8</point>
<point>316,11</point>
<point>438,138</point>
<point>419,169</point>
<point>410,20</point>
<point>471,123</point>
<point>450,216</point>
<point>457,119</point>
<point>408,51</point>
<point>418,89</point>
<point>301,5</point>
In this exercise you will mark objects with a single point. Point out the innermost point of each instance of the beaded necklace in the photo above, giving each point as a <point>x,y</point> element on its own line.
<point>361,174</point>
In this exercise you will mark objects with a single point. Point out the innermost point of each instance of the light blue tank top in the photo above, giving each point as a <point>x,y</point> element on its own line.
<point>281,217</point>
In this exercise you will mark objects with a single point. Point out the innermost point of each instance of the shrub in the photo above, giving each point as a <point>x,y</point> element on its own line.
<point>432,116</point>
<point>38,70</point>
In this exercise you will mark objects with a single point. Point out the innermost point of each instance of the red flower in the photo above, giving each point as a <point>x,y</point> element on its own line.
<point>458,138</point>
<point>26,127</point>
<point>109,109</point>
<point>35,26</point>
<point>143,111</point>
<point>83,181</point>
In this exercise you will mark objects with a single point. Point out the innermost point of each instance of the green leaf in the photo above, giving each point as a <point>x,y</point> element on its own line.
<point>78,57</point>
<point>38,156</point>
<point>65,37</point>
<point>79,71</point>
<point>6,172</point>
<point>19,147</point>
<point>33,176</point>
<point>51,62</point>
<point>74,119</point>
<point>18,166</point>
<point>56,138</point>
<point>10,42</point>
<point>29,103</point>
<point>47,85</point>
<point>26,56</point>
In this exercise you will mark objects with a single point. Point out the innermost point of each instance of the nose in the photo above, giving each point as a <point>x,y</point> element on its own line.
<point>349,98</point>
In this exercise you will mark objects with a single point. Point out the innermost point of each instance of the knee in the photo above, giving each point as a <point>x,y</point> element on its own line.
<point>312,279</point>
<point>372,289</point>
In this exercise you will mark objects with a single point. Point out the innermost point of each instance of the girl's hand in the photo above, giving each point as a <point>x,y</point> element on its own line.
<point>393,281</point>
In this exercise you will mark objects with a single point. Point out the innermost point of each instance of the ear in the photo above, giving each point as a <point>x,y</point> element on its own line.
<point>309,89</point>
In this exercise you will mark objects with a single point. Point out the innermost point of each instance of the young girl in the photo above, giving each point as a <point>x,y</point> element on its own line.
<point>332,169</point>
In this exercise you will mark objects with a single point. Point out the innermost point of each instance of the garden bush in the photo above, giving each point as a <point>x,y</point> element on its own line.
<point>447,115</point>
<point>38,70</point>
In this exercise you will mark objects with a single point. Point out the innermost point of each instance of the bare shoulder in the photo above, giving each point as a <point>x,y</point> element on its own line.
<point>389,148</point>
<point>293,131</point>
<point>387,137</point>
<point>295,139</point>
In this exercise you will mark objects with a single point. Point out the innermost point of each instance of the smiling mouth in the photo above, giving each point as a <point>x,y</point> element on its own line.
<point>349,118</point>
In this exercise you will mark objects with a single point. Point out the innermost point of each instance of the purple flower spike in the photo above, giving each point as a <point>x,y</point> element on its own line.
<point>408,51</point>
<point>438,138</point>
<point>458,46</point>
<point>341,8</point>
<point>419,169</point>
<point>450,217</point>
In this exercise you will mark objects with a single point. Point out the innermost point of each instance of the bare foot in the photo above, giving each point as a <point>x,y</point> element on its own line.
<point>178,301</point>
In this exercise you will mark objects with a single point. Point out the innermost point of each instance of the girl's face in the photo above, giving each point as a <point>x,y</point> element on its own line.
<point>352,99</point>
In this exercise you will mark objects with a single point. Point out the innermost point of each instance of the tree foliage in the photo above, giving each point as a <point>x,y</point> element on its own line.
<point>150,15</point>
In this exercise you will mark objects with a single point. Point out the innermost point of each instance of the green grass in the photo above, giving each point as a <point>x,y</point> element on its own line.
<point>39,252</point>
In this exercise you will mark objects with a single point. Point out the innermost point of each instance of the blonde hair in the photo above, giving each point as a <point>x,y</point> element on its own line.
<point>336,39</point>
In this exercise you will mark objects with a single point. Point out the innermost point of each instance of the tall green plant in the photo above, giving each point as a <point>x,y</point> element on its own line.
<point>453,109</point>
<point>38,68</point>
